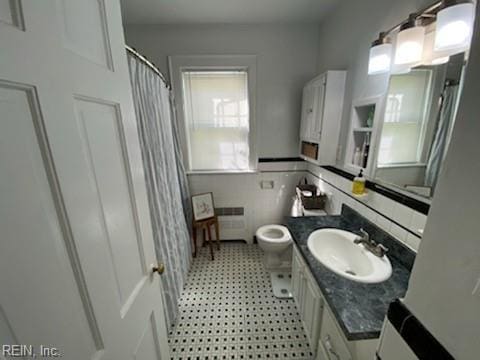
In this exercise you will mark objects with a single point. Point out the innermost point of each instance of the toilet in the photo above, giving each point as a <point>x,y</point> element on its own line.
<point>276,242</point>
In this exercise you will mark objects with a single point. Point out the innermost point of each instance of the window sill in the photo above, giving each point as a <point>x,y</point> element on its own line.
<point>403,165</point>
<point>221,172</point>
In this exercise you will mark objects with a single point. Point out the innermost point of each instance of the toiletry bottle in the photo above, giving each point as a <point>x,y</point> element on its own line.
<point>358,187</point>
<point>357,157</point>
<point>365,151</point>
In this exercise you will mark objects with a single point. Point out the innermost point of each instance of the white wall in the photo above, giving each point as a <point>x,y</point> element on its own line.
<point>286,56</point>
<point>447,269</point>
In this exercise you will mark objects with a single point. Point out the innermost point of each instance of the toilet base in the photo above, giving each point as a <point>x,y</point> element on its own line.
<point>281,284</point>
<point>278,261</point>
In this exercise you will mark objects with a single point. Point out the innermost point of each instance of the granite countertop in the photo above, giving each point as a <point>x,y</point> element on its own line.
<point>359,308</point>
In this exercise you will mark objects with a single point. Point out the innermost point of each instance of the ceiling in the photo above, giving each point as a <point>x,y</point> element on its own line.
<point>224,11</point>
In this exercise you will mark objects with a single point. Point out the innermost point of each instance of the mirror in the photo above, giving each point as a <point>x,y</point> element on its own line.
<point>417,124</point>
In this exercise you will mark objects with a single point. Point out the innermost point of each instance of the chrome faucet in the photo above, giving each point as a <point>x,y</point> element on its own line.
<point>369,244</point>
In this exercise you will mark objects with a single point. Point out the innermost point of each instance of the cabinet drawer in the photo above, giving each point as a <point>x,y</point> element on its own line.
<point>332,340</point>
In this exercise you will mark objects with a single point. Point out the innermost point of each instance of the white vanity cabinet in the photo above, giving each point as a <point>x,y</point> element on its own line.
<point>308,299</point>
<point>326,339</point>
<point>322,106</point>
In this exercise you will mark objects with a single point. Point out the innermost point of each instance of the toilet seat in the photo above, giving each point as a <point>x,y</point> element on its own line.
<point>274,234</point>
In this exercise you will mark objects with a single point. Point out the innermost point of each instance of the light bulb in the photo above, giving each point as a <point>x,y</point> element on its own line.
<point>454,27</point>
<point>409,49</point>
<point>380,57</point>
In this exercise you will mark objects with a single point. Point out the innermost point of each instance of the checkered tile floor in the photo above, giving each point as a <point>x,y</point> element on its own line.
<point>228,311</point>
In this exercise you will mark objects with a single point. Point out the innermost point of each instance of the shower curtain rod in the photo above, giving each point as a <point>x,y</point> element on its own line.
<point>149,64</point>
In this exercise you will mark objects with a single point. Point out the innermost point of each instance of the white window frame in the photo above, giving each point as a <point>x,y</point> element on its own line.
<point>421,148</point>
<point>181,63</point>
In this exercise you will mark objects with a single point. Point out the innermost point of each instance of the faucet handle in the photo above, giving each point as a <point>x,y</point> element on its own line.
<point>364,234</point>
<point>383,249</point>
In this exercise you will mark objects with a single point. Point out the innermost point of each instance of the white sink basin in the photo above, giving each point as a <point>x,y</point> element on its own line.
<point>336,250</point>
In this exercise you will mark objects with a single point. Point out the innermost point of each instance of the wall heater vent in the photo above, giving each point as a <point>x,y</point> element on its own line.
<point>232,223</point>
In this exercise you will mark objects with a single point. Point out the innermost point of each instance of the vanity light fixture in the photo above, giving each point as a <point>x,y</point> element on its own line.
<point>380,59</point>
<point>454,26</point>
<point>410,39</point>
<point>452,23</point>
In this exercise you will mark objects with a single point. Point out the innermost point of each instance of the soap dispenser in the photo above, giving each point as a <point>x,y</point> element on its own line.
<point>358,187</point>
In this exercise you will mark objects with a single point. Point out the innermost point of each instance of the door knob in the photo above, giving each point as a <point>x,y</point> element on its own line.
<point>159,269</point>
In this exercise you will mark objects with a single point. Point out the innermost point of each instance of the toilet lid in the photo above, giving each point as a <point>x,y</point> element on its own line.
<point>274,233</point>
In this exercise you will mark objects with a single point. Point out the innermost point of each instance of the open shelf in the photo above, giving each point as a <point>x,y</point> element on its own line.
<point>360,141</point>
<point>363,116</point>
<point>362,134</point>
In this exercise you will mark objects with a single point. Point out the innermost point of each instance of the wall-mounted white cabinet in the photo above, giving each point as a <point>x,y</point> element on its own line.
<point>322,107</point>
<point>325,336</point>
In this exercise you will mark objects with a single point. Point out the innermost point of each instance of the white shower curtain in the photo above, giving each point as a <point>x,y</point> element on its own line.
<point>165,177</point>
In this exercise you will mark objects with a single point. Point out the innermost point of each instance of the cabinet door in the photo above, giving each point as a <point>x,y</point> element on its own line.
<point>308,108</point>
<point>297,281</point>
<point>318,107</point>
<point>321,352</point>
<point>312,310</point>
<point>332,341</point>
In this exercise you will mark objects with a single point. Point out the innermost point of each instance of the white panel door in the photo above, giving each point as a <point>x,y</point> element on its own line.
<point>312,311</point>
<point>76,248</point>
<point>317,121</point>
<point>308,109</point>
<point>297,271</point>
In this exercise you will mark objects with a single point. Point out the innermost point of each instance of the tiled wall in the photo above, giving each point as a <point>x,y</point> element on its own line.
<point>269,206</point>
<point>402,222</point>
<point>261,206</point>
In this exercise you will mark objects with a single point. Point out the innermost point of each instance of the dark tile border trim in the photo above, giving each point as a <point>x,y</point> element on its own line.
<point>406,200</point>
<point>340,172</point>
<point>281,171</point>
<point>284,159</point>
<point>418,338</point>
<point>366,205</point>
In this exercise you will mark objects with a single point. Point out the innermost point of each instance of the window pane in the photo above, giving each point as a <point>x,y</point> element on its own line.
<point>405,118</point>
<point>217,118</point>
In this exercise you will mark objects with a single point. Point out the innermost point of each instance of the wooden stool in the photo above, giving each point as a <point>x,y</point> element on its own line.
<point>206,225</point>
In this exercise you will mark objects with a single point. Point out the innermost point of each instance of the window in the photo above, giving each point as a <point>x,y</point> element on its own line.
<point>216,111</point>
<point>406,117</point>
<point>215,96</point>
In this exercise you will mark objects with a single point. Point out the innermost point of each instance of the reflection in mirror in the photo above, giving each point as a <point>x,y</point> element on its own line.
<point>418,121</point>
